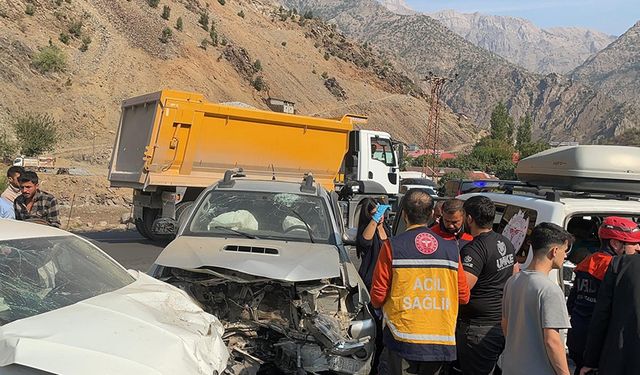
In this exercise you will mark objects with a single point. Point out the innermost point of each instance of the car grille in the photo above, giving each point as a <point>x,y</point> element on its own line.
<point>251,249</point>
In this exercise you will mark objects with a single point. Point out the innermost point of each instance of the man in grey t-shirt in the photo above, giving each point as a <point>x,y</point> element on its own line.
<point>534,309</point>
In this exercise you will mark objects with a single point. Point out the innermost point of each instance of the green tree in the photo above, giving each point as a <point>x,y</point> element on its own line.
<point>523,136</point>
<point>179,24</point>
<point>166,12</point>
<point>529,149</point>
<point>36,133</point>
<point>501,123</point>
<point>7,148</point>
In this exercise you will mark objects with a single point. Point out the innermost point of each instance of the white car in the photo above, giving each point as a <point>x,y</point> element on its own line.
<point>68,308</point>
<point>267,258</point>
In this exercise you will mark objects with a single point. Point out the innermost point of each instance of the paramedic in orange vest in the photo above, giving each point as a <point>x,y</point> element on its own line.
<point>418,282</point>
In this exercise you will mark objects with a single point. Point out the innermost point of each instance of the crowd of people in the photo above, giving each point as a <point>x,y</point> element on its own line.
<point>23,199</point>
<point>451,298</point>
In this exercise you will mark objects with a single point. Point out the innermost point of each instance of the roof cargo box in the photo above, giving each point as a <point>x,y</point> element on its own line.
<point>602,169</point>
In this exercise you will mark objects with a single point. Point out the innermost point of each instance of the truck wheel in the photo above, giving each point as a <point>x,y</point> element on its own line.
<point>149,215</point>
<point>141,229</point>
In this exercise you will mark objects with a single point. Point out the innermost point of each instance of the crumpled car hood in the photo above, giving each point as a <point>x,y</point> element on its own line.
<point>294,261</point>
<point>147,327</point>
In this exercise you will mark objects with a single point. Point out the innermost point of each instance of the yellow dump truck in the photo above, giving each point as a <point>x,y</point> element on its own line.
<point>170,145</point>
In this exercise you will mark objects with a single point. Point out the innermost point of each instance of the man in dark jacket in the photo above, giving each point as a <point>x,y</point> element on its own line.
<point>613,344</point>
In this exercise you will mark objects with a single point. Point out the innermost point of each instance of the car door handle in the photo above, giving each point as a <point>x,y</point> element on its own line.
<point>370,174</point>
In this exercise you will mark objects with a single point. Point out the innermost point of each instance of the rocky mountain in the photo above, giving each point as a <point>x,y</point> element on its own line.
<point>616,69</point>
<point>553,50</point>
<point>77,60</point>
<point>561,109</point>
<point>397,6</point>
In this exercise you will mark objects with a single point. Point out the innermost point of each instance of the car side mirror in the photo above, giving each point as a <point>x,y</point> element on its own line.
<point>349,237</point>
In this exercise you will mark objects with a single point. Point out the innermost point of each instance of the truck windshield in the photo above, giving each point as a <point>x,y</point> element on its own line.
<point>262,215</point>
<point>38,275</point>
<point>382,150</point>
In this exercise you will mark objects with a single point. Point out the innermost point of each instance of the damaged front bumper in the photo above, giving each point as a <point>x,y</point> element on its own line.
<point>290,327</point>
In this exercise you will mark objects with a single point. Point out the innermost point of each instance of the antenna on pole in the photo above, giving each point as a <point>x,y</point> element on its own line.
<point>433,121</point>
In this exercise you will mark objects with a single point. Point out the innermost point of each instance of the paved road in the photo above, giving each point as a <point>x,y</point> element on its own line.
<point>128,248</point>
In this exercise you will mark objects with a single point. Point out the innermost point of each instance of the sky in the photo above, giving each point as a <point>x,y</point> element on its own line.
<point>610,16</point>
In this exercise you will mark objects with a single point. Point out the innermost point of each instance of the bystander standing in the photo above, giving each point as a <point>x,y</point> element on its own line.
<point>13,186</point>
<point>34,204</point>
<point>533,309</point>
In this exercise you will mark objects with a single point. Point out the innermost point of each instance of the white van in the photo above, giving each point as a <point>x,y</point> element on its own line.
<point>575,187</point>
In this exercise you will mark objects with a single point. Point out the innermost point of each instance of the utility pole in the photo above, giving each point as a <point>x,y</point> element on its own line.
<point>433,122</point>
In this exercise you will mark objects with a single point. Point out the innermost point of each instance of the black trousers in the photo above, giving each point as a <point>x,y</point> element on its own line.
<point>479,347</point>
<point>400,366</point>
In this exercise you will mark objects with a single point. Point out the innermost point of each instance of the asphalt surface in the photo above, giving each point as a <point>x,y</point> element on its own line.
<point>128,248</point>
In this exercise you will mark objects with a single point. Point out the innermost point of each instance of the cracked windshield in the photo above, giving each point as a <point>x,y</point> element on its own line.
<point>284,216</point>
<point>43,274</point>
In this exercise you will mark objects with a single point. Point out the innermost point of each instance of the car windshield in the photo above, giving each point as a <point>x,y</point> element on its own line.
<point>282,216</point>
<point>38,275</point>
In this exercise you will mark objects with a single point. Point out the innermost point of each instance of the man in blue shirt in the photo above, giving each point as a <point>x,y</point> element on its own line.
<point>6,209</point>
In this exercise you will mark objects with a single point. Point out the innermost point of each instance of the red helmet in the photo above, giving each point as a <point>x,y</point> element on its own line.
<point>619,228</point>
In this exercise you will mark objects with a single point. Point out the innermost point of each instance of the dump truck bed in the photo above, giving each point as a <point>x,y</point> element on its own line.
<point>173,138</point>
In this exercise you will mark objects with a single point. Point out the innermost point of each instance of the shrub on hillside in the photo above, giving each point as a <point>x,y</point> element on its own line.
<point>166,35</point>
<point>75,28</point>
<point>153,3</point>
<point>166,12</point>
<point>86,40</point>
<point>258,83</point>
<point>64,38</point>
<point>257,65</point>
<point>36,133</point>
<point>241,13</point>
<point>30,9</point>
<point>8,149</point>
<point>222,2</point>
<point>50,59</point>
<point>204,20</point>
<point>179,25</point>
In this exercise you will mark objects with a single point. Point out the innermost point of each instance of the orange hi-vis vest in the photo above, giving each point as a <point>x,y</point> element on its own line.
<point>421,308</point>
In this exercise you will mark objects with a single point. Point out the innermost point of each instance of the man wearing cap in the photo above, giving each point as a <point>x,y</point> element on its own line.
<point>618,236</point>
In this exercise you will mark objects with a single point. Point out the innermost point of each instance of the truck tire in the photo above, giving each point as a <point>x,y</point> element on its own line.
<point>149,215</point>
<point>141,229</point>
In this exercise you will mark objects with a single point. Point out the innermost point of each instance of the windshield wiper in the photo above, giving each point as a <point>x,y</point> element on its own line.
<point>237,232</point>
<point>305,224</point>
